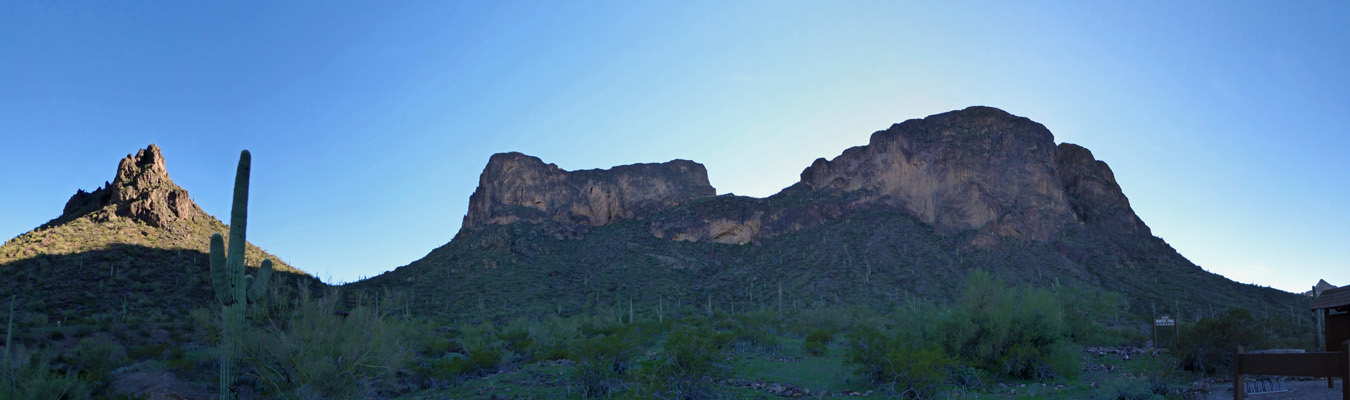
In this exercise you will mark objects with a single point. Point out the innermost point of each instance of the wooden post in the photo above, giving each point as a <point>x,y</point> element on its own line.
<point>1154,324</point>
<point>1345,370</point>
<point>1239,392</point>
<point>1153,321</point>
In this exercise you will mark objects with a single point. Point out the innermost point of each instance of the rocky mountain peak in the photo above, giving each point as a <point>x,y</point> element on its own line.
<point>980,168</point>
<point>517,187</point>
<point>141,190</point>
<point>1096,198</point>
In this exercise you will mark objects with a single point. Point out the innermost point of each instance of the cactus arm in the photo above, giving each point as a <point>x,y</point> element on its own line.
<point>257,284</point>
<point>218,272</point>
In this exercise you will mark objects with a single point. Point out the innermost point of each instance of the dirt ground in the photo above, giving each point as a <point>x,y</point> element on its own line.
<point>158,385</point>
<point>1300,390</point>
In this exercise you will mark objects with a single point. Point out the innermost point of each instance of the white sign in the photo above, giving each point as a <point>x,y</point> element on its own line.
<point>1165,321</point>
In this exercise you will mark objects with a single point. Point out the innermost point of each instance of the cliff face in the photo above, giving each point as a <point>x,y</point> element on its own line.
<point>516,187</point>
<point>978,169</point>
<point>141,190</point>
<point>975,169</point>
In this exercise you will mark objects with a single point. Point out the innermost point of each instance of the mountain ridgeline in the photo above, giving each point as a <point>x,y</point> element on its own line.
<point>907,215</point>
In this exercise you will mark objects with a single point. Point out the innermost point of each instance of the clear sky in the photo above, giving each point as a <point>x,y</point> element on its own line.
<point>1225,122</point>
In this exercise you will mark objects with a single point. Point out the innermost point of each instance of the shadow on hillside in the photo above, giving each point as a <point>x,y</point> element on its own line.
<point>151,284</point>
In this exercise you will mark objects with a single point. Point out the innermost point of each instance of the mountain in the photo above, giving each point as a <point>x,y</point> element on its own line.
<point>135,250</point>
<point>907,215</point>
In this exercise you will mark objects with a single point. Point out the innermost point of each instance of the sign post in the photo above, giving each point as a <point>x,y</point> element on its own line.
<point>1165,320</point>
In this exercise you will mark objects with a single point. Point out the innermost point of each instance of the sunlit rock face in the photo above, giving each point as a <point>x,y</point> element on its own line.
<point>141,190</point>
<point>516,187</point>
<point>975,169</point>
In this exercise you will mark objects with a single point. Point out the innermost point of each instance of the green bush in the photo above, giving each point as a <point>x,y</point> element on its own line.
<point>1084,310</point>
<point>603,365</point>
<point>479,361</point>
<point>917,373</point>
<point>97,356</point>
<point>686,366</point>
<point>482,361</point>
<point>755,341</point>
<point>913,371</point>
<point>1208,344</point>
<point>817,342</point>
<point>29,375</point>
<point>309,350</point>
<point>1012,332</point>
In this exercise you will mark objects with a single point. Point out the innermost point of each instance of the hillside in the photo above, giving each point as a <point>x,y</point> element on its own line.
<point>135,249</point>
<point>908,215</point>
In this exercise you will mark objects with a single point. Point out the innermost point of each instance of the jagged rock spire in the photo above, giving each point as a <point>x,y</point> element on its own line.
<point>141,190</point>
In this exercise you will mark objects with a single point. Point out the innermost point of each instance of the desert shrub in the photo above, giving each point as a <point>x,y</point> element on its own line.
<point>1012,332</point>
<point>917,373</point>
<point>755,341</point>
<point>29,374</point>
<point>519,341</point>
<point>1208,344</point>
<point>1084,310</point>
<point>913,371</point>
<point>817,342</point>
<point>97,356</point>
<point>313,351</point>
<point>603,365</point>
<point>834,319</point>
<point>436,346</point>
<point>479,361</point>
<point>867,353</point>
<point>686,366</point>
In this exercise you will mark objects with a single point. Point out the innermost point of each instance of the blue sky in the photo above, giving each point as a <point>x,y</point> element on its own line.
<point>1225,122</point>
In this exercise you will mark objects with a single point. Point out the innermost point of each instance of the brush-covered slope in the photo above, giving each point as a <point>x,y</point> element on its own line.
<point>135,249</point>
<point>909,214</point>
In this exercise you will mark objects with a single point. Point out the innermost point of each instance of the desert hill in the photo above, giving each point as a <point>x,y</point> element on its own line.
<point>908,214</point>
<point>135,249</point>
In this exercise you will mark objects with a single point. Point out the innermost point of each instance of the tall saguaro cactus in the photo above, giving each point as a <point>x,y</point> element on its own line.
<point>234,289</point>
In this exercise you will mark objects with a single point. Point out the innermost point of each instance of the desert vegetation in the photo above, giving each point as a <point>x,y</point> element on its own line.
<point>302,343</point>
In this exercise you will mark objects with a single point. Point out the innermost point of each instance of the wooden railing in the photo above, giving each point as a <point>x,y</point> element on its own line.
<point>1320,365</point>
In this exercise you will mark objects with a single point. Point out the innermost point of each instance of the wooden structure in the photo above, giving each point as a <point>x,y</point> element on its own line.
<point>1320,365</point>
<point>1333,306</point>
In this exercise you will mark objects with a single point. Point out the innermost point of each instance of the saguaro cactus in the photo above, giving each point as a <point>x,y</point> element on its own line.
<point>234,289</point>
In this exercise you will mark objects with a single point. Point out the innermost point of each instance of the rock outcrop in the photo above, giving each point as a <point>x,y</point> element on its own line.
<point>975,169</point>
<point>516,187</point>
<point>1093,193</point>
<point>979,169</point>
<point>141,190</point>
